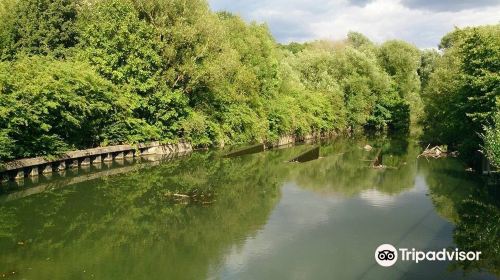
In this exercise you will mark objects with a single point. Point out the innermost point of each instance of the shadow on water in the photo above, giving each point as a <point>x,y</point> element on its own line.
<point>246,151</point>
<point>347,168</point>
<point>473,205</point>
<point>310,155</point>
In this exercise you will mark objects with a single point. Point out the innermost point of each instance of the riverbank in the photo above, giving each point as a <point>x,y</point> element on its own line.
<point>33,167</point>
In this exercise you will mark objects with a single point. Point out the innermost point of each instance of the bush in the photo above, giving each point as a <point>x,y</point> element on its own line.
<point>49,106</point>
<point>491,138</point>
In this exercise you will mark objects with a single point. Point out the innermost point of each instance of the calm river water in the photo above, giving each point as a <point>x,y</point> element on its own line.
<point>253,217</point>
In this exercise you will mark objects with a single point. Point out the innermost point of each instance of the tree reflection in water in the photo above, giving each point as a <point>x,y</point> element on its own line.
<point>129,227</point>
<point>474,206</point>
<point>124,227</point>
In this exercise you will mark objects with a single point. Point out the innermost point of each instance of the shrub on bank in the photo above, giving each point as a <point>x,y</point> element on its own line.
<point>49,106</point>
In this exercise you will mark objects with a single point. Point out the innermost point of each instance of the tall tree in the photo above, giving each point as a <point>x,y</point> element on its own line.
<point>401,61</point>
<point>462,92</point>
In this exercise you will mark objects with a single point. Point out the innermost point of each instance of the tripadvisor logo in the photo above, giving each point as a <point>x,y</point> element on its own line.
<point>387,255</point>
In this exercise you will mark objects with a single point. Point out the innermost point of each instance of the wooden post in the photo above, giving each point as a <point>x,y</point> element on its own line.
<point>377,161</point>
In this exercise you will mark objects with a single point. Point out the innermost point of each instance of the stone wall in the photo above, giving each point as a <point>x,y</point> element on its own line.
<point>21,168</point>
<point>291,139</point>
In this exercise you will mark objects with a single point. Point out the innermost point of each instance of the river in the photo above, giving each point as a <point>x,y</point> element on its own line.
<point>255,216</point>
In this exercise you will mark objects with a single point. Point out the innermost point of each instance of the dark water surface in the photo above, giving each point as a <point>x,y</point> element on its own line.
<point>256,216</point>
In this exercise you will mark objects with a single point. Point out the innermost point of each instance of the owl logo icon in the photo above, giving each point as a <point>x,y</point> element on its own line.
<point>386,255</point>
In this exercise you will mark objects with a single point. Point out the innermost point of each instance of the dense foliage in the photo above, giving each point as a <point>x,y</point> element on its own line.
<point>49,105</point>
<point>461,93</point>
<point>491,139</point>
<point>37,27</point>
<point>77,74</point>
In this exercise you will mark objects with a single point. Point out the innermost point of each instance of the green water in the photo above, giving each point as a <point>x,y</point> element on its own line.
<point>260,217</point>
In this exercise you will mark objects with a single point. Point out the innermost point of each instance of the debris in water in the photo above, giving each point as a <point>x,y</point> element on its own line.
<point>454,154</point>
<point>367,148</point>
<point>377,161</point>
<point>437,152</point>
<point>192,196</point>
<point>8,274</point>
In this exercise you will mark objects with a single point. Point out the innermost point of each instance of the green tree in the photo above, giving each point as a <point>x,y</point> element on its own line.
<point>480,57</point>
<point>176,70</point>
<point>401,61</point>
<point>120,46</point>
<point>127,50</point>
<point>49,106</point>
<point>359,90</point>
<point>294,47</point>
<point>358,40</point>
<point>37,27</point>
<point>461,94</point>
<point>428,62</point>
